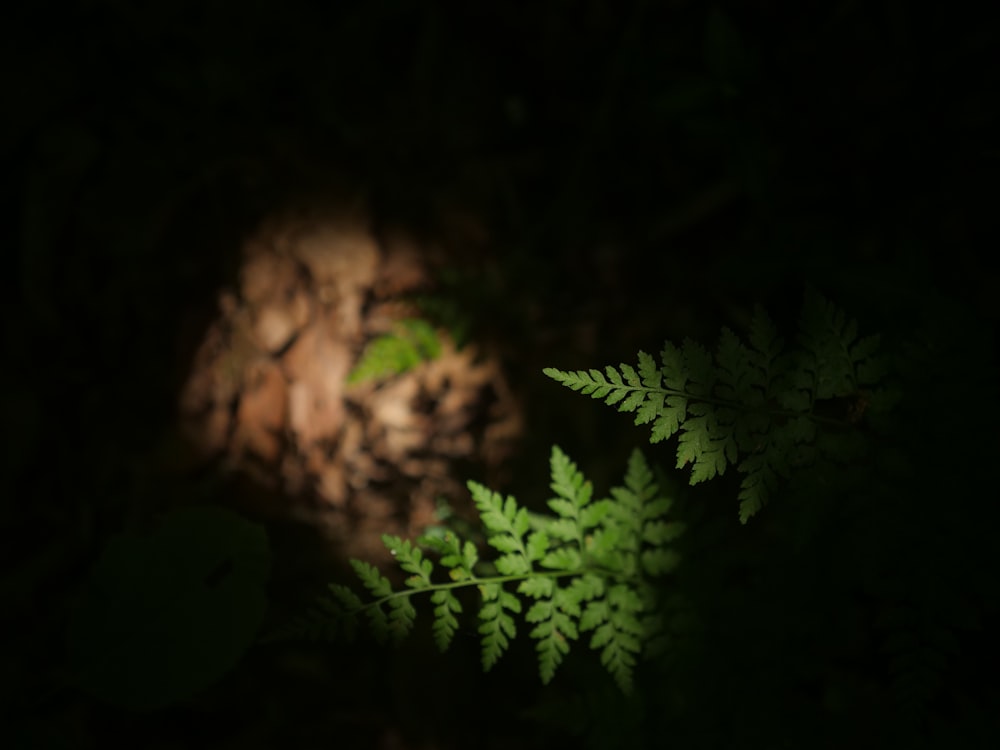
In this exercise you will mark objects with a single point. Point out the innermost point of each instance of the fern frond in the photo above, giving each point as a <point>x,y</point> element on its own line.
<point>753,404</point>
<point>412,341</point>
<point>588,567</point>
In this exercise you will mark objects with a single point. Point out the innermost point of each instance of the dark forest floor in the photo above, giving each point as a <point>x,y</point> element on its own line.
<point>213,212</point>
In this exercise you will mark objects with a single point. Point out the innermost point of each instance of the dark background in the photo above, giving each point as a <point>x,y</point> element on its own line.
<point>644,170</point>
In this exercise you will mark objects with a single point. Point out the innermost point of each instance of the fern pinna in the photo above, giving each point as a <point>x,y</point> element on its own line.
<point>756,405</point>
<point>589,568</point>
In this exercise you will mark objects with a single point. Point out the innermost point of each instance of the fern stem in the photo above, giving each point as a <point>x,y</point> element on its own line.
<point>738,405</point>
<point>480,582</point>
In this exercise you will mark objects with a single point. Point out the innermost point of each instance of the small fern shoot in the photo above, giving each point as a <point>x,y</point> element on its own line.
<point>755,405</point>
<point>587,569</point>
<point>412,341</point>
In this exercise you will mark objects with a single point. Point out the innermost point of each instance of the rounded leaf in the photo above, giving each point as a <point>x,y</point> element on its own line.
<point>165,614</point>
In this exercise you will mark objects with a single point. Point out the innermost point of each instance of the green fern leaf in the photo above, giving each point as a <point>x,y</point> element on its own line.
<point>395,624</point>
<point>633,401</point>
<point>653,506</point>
<point>536,587</point>
<point>587,587</point>
<point>658,562</point>
<point>458,558</point>
<point>593,515</point>
<point>378,622</point>
<point>401,616</point>
<point>499,516</point>
<point>411,560</point>
<point>412,341</point>
<point>828,335</point>
<point>673,370</point>
<point>653,407</point>
<point>567,600</point>
<point>567,481</point>
<point>607,547</point>
<point>648,370</point>
<point>631,376</point>
<point>513,565</point>
<point>637,503</point>
<point>445,622</point>
<point>617,632</point>
<point>505,543</point>
<point>640,481</point>
<point>699,369</point>
<point>347,598</point>
<point>574,497</point>
<point>658,532</point>
<point>553,633</point>
<point>594,615</point>
<point>562,528</point>
<point>372,579</point>
<point>696,446</point>
<point>760,481</point>
<point>749,398</point>
<point>743,375</point>
<point>538,543</point>
<point>496,625</point>
<point>619,660</point>
<point>564,558</point>
<point>670,417</point>
<point>586,569</point>
<point>564,508</point>
<point>539,611</point>
<point>555,614</point>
